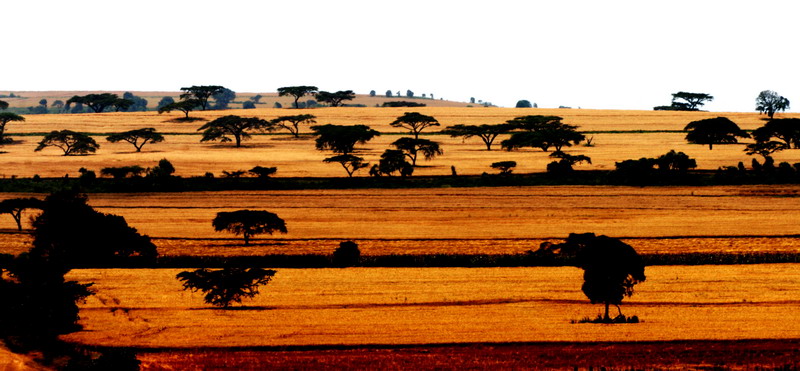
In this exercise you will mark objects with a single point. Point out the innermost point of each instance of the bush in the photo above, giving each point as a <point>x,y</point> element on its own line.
<point>347,254</point>
<point>524,104</point>
<point>248,105</point>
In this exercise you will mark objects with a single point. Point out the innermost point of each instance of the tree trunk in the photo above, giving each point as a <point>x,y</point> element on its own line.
<point>607,318</point>
<point>18,218</point>
<point>247,242</point>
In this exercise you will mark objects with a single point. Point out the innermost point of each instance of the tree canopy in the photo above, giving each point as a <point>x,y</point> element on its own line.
<point>72,143</point>
<point>414,122</point>
<point>297,92</point>
<point>3,105</point>
<point>137,137</point>
<point>5,118</point>
<point>222,287</point>
<point>341,139</point>
<point>349,162</point>
<point>248,223</point>
<point>770,102</point>
<point>185,106</point>
<point>392,160</point>
<point>232,125</point>
<point>720,130</point>
<point>411,147</point>
<point>100,102</point>
<point>487,132</point>
<point>541,132</point>
<point>292,123</point>
<point>201,93</point>
<point>335,99</point>
<point>786,130</point>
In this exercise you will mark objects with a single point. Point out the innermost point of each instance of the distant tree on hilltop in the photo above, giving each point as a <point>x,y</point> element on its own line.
<point>335,99</point>
<point>201,93</point>
<point>770,102</point>
<point>297,92</point>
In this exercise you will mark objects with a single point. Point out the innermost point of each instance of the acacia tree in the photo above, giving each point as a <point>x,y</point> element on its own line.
<point>412,147</point>
<point>335,99</point>
<point>137,137</point>
<point>225,286</point>
<point>414,122</point>
<point>15,207</point>
<point>505,167</point>
<point>100,102</point>
<point>565,162</point>
<point>248,223</point>
<point>72,143</point>
<point>692,101</point>
<point>720,130</point>
<point>541,132</point>
<point>350,163</point>
<point>292,123</point>
<point>487,132</point>
<point>770,102</point>
<point>787,130</point>
<point>232,125</point>
<point>392,160</point>
<point>201,93</point>
<point>3,105</point>
<point>297,92</point>
<point>184,106</point>
<point>5,118</point>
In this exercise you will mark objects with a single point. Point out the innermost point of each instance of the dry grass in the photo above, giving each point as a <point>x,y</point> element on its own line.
<point>299,158</point>
<point>147,308</point>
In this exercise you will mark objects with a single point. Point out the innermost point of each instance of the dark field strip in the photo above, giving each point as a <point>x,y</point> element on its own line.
<point>769,354</point>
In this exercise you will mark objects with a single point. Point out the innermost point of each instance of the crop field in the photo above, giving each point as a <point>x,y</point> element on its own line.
<point>362,306</point>
<point>298,157</point>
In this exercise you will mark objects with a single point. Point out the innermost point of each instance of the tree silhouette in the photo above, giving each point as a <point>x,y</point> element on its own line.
<point>5,118</point>
<point>15,207</point>
<point>201,93</point>
<point>297,92</point>
<point>248,223</point>
<point>70,142</point>
<point>335,99</point>
<point>565,162</point>
<point>770,102</point>
<point>184,106</point>
<point>3,105</point>
<point>350,163</point>
<point>232,125</point>
<point>411,147</point>
<point>121,172</point>
<point>263,172</point>
<point>137,137</point>
<point>414,122</point>
<point>100,102</point>
<point>505,167</point>
<point>787,130</point>
<point>342,139</point>
<point>487,132</point>
<point>292,123</point>
<point>392,160</point>
<point>720,130</point>
<point>225,286</point>
<point>347,254</point>
<point>541,132</point>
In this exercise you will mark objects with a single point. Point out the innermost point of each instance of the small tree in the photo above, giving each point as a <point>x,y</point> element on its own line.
<point>297,92</point>
<point>676,162</point>
<point>565,162</point>
<point>393,160</point>
<point>248,105</point>
<point>764,148</point>
<point>248,223</point>
<point>15,207</point>
<point>718,130</point>
<point>100,102</point>
<point>414,122</point>
<point>372,93</point>
<point>223,98</point>
<point>70,142</point>
<point>184,106</point>
<point>487,133</point>
<point>505,167</point>
<point>292,123</point>
<point>335,99</point>
<point>388,94</point>
<point>225,286</point>
<point>201,94</point>
<point>232,125</point>
<point>5,118</point>
<point>412,147</point>
<point>350,163</point>
<point>263,172</point>
<point>770,102</point>
<point>256,99</point>
<point>347,254</point>
<point>163,170</point>
<point>138,137</point>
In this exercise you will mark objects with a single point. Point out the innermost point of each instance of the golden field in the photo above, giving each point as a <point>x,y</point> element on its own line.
<point>148,308</point>
<point>298,158</point>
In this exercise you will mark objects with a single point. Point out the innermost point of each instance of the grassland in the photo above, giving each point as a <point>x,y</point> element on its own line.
<point>616,136</point>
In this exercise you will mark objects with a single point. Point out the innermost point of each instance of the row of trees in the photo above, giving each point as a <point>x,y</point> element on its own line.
<point>775,135</point>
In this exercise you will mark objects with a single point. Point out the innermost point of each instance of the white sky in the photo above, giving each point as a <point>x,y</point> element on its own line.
<point>589,54</point>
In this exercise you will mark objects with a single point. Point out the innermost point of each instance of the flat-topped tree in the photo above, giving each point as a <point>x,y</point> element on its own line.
<point>487,132</point>
<point>297,92</point>
<point>221,287</point>
<point>100,102</point>
<point>202,93</point>
<point>350,163</point>
<point>248,223</point>
<point>541,132</point>
<point>5,118</point>
<point>184,106</point>
<point>292,123</point>
<point>335,99</point>
<point>235,126</point>
<point>720,130</point>
<point>137,137</point>
<point>72,143</point>
<point>342,139</point>
<point>414,122</point>
<point>15,207</point>
<point>692,101</point>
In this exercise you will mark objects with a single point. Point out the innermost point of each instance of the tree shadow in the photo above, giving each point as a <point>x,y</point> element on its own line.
<point>185,120</point>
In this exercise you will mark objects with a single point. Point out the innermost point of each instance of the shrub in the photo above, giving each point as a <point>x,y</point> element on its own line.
<point>347,254</point>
